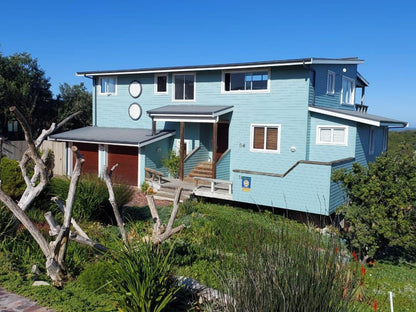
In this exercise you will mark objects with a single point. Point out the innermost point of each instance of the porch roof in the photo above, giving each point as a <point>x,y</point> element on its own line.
<point>189,113</point>
<point>361,117</point>
<point>115,136</point>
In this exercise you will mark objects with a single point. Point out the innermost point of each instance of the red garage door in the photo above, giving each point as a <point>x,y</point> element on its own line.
<point>127,159</point>
<point>90,153</point>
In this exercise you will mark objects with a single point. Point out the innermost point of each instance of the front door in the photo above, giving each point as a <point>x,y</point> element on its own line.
<point>222,138</point>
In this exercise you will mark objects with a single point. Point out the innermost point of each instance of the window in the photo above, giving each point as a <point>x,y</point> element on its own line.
<point>184,86</point>
<point>161,84</point>
<point>246,81</point>
<point>332,135</point>
<point>330,83</point>
<point>265,138</point>
<point>347,92</point>
<point>12,126</point>
<point>371,141</point>
<point>108,85</point>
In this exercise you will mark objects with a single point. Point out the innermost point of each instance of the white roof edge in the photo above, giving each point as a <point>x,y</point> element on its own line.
<point>345,116</point>
<point>157,139</point>
<point>306,61</point>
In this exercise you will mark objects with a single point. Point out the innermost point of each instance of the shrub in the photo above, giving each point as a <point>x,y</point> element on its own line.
<point>95,277</point>
<point>91,200</point>
<point>172,164</point>
<point>381,208</point>
<point>140,278</point>
<point>11,178</point>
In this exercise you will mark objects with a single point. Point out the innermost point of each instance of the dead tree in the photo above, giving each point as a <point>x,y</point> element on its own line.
<point>55,250</point>
<point>112,199</point>
<point>161,232</point>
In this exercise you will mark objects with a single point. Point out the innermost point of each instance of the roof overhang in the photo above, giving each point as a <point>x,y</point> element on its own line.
<point>231,66</point>
<point>189,113</point>
<point>111,136</point>
<point>361,117</point>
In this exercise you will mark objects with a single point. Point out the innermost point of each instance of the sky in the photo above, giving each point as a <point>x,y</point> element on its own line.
<point>72,35</point>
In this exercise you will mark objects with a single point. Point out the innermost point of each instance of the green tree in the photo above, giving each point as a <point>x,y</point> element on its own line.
<point>381,207</point>
<point>73,99</point>
<point>23,84</point>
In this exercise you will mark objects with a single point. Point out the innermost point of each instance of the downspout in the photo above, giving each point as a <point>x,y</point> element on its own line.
<point>308,124</point>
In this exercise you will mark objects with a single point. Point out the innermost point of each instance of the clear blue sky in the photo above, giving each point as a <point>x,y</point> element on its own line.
<point>70,36</point>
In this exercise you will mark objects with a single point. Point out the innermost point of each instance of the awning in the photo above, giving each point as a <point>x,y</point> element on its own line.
<point>361,117</point>
<point>112,136</point>
<point>189,113</point>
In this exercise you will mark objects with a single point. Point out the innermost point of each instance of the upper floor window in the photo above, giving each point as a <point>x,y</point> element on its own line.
<point>12,126</point>
<point>265,138</point>
<point>108,85</point>
<point>330,83</point>
<point>184,87</point>
<point>246,81</point>
<point>347,92</point>
<point>161,84</point>
<point>332,135</point>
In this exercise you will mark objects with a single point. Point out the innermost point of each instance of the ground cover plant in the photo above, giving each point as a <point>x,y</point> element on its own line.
<point>220,244</point>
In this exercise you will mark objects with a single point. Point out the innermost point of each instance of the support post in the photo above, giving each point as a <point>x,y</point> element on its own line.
<point>362,96</point>
<point>182,150</point>
<point>153,127</point>
<point>214,149</point>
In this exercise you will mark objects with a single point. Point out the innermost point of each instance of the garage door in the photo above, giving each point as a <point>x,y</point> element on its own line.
<point>90,153</point>
<point>127,159</point>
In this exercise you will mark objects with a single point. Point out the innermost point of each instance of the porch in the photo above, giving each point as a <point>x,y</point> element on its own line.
<point>165,187</point>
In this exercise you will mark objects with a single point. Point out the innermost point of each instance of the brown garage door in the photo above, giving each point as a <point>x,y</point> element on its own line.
<point>127,159</point>
<point>90,153</point>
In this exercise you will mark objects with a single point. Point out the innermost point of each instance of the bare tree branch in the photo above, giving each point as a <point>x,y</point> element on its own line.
<point>160,231</point>
<point>112,200</point>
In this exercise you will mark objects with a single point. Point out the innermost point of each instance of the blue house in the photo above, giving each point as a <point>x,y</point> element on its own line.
<point>272,132</point>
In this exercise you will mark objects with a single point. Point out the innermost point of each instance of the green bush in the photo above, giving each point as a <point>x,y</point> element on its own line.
<point>381,208</point>
<point>11,178</point>
<point>91,199</point>
<point>172,164</point>
<point>140,278</point>
<point>95,277</point>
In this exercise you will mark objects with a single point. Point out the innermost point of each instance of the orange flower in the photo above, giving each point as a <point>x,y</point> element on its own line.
<point>362,269</point>
<point>375,305</point>
<point>336,249</point>
<point>354,256</point>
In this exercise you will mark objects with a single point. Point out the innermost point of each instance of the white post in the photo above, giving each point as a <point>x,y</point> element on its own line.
<point>391,301</point>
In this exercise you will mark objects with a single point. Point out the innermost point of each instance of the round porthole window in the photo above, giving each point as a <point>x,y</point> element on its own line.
<point>135,111</point>
<point>135,88</point>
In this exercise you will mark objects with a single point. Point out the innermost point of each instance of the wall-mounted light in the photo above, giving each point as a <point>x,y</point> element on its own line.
<point>344,70</point>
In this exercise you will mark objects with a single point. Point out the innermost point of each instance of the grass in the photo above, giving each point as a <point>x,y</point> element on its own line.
<point>214,235</point>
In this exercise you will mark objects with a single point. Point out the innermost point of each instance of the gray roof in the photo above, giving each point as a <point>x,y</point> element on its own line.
<point>362,117</point>
<point>288,62</point>
<point>197,110</point>
<point>117,136</point>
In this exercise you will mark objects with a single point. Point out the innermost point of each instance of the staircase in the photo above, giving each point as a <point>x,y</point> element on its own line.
<point>202,170</point>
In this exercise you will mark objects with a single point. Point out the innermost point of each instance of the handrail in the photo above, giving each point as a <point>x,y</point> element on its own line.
<point>213,182</point>
<point>311,162</point>
<point>227,151</point>
<point>191,153</point>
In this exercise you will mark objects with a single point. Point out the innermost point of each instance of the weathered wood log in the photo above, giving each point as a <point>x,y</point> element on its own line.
<point>161,232</point>
<point>112,199</point>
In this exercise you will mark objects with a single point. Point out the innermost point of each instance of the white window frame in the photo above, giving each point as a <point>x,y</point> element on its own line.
<point>352,98</point>
<point>255,70</point>
<point>173,87</point>
<point>332,128</point>
<point>167,84</point>
<point>371,141</point>
<point>330,87</point>
<point>264,150</point>
<point>101,83</point>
